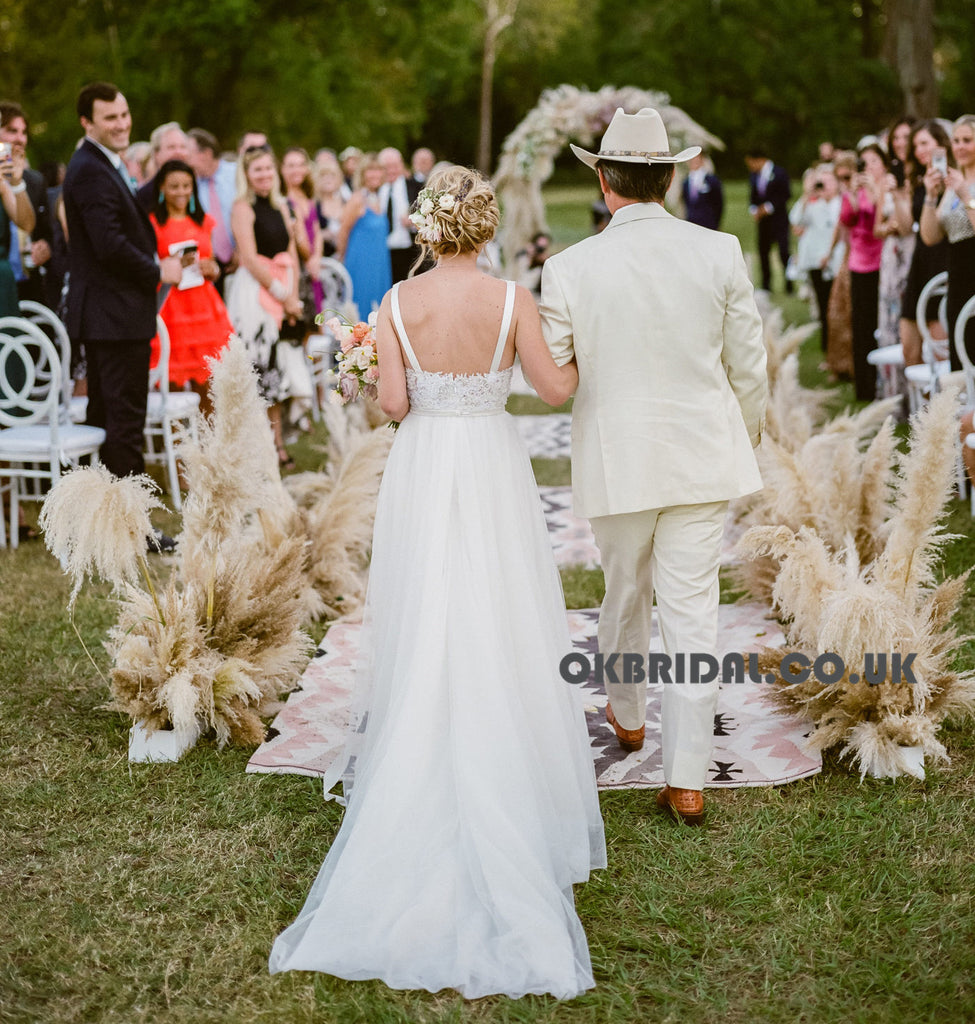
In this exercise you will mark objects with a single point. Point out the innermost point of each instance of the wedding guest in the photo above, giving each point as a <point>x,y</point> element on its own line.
<point>330,203</point>
<point>769,194</point>
<point>397,195</point>
<point>193,312</point>
<point>263,292</point>
<point>814,217</point>
<point>217,186</point>
<point>422,163</point>
<point>839,314</point>
<point>250,140</point>
<point>953,217</point>
<point>702,193</point>
<point>299,191</point>
<point>114,276</point>
<point>350,159</point>
<point>894,225</point>
<point>29,252</point>
<point>362,239</point>
<point>928,260</point>
<point>136,159</point>
<point>16,213</point>
<point>858,212</point>
<point>168,142</point>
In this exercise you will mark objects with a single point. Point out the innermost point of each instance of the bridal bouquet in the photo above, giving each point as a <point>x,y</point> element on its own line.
<point>358,365</point>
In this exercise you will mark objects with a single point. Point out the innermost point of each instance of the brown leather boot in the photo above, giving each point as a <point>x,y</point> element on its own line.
<point>685,805</point>
<point>629,739</point>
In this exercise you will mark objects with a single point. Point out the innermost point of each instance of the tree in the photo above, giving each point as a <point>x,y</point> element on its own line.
<point>909,50</point>
<point>498,15</point>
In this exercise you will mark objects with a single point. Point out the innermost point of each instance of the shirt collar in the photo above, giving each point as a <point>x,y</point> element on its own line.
<point>115,158</point>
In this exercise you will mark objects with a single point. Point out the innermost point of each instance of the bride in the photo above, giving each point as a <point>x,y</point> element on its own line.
<point>472,805</point>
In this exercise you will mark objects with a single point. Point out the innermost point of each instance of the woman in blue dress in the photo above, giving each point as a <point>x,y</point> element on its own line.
<point>362,240</point>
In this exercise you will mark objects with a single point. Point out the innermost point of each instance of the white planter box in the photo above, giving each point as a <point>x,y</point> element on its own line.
<point>163,745</point>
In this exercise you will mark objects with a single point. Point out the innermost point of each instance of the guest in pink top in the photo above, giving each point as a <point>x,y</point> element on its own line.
<point>859,214</point>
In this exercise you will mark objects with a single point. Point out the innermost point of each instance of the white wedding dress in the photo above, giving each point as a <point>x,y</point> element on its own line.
<point>473,805</point>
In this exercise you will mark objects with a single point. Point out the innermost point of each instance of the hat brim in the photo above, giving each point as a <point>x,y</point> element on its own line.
<point>591,159</point>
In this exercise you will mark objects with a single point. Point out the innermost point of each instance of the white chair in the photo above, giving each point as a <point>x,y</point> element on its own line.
<point>36,440</point>
<point>50,323</point>
<point>336,284</point>
<point>923,379</point>
<point>968,368</point>
<point>322,347</point>
<point>166,411</point>
<point>889,361</point>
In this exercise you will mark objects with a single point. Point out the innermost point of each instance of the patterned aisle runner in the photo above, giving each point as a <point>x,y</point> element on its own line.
<point>752,746</point>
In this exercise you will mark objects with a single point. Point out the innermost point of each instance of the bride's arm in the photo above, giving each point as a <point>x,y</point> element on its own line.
<point>553,384</point>
<point>392,372</point>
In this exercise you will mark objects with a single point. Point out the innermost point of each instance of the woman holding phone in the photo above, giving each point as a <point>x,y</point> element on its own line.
<point>927,139</point>
<point>953,217</point>
<point>15,208</point>
<point>193,312</point>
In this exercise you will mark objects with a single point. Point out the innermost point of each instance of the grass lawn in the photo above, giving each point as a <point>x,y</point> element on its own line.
<point>142,893</point>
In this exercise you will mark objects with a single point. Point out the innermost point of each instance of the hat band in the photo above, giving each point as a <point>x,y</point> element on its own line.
<point>633,152</point>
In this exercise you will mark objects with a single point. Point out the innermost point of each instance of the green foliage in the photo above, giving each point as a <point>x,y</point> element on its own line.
<point>787,73</point>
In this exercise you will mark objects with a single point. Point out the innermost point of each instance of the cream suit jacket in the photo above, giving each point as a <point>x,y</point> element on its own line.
<point>661,318</point>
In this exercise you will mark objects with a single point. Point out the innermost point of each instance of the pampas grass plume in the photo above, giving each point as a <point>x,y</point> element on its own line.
<point>96,524</point>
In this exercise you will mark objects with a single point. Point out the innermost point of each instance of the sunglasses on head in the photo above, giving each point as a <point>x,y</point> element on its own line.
<point>263,148</point>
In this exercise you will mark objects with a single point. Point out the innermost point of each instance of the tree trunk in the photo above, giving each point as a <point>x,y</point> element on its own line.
<point>498,15</point>
<point>909,50</point>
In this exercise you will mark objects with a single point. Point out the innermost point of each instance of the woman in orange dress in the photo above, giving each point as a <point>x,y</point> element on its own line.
<point>193,312</point>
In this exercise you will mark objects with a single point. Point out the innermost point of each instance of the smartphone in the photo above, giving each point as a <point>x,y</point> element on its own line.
<point>939,159</point>
<point>6,151</point>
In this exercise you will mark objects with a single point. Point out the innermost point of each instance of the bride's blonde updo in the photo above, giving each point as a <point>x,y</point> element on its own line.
<point>455,212</point>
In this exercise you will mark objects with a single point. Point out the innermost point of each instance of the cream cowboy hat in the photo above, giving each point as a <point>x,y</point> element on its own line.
<point>635,139</point>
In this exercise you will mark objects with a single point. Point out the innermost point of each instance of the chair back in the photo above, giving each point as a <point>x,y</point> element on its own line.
<point>30,375</point>
<point>336,284</point>
<point>159,374</point>
<point>935,288</point>
<point>966,314</point>
<point>50,323</point>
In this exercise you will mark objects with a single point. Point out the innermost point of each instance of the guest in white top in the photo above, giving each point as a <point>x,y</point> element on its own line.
<point>814,217</point>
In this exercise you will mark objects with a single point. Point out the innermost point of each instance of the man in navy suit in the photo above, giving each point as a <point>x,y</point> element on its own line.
<point>114,276</point>
<point>769,208</point>
<point>702,194</point>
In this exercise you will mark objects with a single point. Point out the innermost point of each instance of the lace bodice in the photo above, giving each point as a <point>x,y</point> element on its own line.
<point>457,394</point>
<point>449,394</point>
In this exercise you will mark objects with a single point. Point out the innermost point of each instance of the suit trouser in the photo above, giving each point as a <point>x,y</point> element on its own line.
<point>118,389</point>
<point>677,552</point>
<point>771,233</point>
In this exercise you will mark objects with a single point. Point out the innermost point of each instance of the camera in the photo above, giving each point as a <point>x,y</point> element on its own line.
<point>861,165</point>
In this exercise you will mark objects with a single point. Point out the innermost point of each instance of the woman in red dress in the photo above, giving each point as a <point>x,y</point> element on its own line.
<point>193,311</point>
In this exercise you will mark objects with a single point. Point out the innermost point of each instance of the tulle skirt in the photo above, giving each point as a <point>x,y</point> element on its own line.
<point>472,807</point>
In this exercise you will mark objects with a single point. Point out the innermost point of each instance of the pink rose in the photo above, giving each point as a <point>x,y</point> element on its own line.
<point>349,386</point>
<point>372,373</point>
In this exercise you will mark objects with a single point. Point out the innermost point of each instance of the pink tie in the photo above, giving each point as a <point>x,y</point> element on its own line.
<point>222,247</point>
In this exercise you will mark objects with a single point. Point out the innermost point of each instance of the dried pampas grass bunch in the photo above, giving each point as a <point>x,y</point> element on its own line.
<point>224,638</point>
<point>834,601</point>
<point>834,479</point>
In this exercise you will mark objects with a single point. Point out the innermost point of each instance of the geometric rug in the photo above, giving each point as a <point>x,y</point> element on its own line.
<point>546,436</point>
<point>753,745</point>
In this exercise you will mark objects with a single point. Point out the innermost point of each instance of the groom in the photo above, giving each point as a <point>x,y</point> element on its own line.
<point>660,315</point>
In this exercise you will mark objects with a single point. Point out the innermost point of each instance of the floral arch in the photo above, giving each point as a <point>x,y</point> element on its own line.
<point>567,114</point>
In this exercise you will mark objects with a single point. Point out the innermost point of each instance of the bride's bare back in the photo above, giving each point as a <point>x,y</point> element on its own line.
<point>452,315</point>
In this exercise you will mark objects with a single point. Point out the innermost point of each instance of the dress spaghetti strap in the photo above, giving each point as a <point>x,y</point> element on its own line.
<point>401,329</point>
<point>509,307</point>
